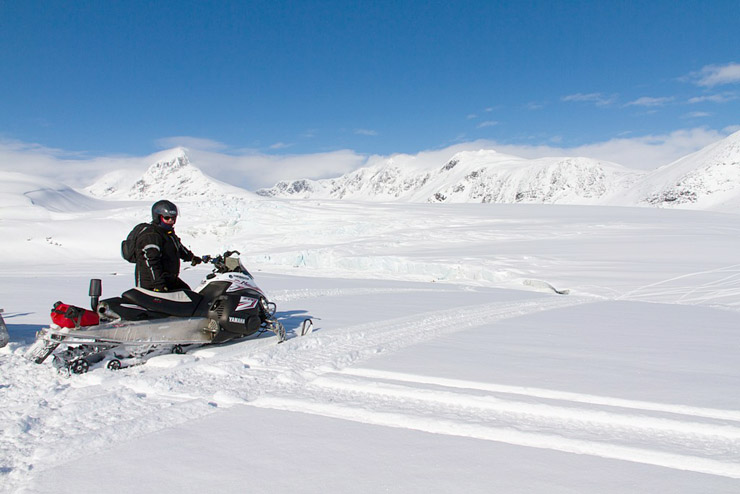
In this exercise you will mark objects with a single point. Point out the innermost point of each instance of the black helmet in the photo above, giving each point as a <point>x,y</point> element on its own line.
<point>163,208</point>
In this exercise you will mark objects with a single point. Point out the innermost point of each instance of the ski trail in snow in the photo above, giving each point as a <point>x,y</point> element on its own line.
<point>506,434</point>
<point>713,290</point>
<point>713,413</point>
<point>69,418</point>
<point>292,295</point>
<point>355,343</point>
<point>695,293</point>
<point>570,423</point>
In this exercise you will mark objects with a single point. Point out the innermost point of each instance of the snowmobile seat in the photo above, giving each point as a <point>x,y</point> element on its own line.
<point>181,303</point>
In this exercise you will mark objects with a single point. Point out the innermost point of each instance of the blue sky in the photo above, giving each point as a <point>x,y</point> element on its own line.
<point>289,78</point>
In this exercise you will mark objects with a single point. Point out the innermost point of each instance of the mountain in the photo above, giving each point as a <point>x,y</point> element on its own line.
<point>708,179</point>
<point>172,176</point>
<point>473,176</point>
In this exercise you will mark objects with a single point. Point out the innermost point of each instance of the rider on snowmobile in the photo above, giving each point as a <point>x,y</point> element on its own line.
<point>159,250</point>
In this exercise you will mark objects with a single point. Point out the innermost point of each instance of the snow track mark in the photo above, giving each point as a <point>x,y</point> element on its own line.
<point>669,436</point>
<point>292,295</point>
<point>717,287</point>
<point>701,412</point>
<point>343,347</point>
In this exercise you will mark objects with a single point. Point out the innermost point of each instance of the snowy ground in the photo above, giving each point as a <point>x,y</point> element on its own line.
<point>437,364</point>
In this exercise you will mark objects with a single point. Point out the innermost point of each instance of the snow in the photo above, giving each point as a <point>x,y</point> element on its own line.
<point>440,359</point>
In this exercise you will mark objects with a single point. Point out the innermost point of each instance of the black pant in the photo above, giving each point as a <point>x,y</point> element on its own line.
<point>176,284</point>
<point>171,284</point>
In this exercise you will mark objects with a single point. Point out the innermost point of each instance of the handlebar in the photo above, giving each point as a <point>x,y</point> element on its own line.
<point>219,258</point>
<point>219,262</point>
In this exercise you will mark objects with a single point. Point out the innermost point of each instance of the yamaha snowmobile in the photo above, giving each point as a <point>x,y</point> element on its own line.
<point>127,330</point>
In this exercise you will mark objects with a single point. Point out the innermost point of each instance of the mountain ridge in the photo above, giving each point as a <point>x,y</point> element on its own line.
<point>472,176</point>
<point>706,179</point>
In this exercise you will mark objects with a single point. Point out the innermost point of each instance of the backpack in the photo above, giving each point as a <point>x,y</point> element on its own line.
<point>128,246</point>
<point>69,316</point>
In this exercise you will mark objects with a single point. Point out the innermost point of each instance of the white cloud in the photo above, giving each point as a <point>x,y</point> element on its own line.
<point>697,114</point>
<point>72,168</point>
<point>534,106</point>
<point>598,99</point>
<point>280,145</point>
<point>644,153</point>
<point>487,123</point>
<point>716,75</point>
<point>256,170</point>
<point>473,116</point>
<point>190,142</point>
<point>715,98</point>
<point>365,132</point>
<point>648,101</point>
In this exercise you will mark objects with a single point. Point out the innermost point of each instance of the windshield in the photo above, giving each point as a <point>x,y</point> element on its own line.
<point>232,263</point>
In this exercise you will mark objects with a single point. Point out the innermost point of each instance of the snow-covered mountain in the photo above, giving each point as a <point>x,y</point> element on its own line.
<point>473,176</point>
<point>171,176</point>
<point>708,179</point>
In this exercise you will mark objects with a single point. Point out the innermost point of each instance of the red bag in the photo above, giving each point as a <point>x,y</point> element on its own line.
<point>69,316</point>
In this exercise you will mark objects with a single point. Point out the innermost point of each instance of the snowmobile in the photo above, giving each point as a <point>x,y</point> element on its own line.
<point>128,330</point>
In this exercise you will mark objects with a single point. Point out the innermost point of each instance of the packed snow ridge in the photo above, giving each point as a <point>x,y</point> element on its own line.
<point>707,179</point>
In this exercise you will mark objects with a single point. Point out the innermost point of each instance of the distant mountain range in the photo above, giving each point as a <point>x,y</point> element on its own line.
<point>707,179</point>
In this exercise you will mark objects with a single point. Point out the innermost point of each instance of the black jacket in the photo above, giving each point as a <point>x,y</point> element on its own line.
<point>158,254</point>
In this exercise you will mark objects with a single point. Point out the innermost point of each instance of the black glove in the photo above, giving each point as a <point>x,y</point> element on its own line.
<point>195,261</point>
